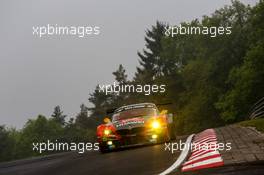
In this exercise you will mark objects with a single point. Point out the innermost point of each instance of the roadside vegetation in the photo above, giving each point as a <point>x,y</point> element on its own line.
<point>256,123</point>
<point>210,82</point>
<point>17,144</point>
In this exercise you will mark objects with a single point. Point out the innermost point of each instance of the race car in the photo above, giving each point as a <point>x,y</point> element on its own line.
<point>132,125</point>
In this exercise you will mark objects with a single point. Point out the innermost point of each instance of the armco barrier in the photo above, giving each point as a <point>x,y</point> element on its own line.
<point>257,110</point>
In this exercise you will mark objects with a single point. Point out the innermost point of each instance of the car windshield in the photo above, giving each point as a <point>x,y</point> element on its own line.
<point>131,113</point>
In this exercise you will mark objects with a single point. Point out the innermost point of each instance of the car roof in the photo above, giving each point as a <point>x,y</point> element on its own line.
<point>135,106</point>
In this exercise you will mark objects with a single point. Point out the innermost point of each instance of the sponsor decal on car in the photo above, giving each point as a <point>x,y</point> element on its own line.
<point>130,122</point>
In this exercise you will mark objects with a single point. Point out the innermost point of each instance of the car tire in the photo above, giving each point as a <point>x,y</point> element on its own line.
<point>103,148</point>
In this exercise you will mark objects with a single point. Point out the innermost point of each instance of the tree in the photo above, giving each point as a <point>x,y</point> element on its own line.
<point>149,58</point>
<point>58,115</point>
<point>121,98</point>
<point>101,103</point>
<point>246,81</point>
<point>82,118</point>
<point>7,145</point>
<point>36,131</point>
<point>120,75</point>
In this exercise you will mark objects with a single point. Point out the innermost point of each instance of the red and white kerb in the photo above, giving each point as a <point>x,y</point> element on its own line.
<point>204,154</point>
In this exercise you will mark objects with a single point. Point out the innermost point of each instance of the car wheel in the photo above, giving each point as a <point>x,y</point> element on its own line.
<point>103,148</point>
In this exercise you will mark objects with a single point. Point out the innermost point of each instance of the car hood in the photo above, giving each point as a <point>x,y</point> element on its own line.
<point>130,123</point>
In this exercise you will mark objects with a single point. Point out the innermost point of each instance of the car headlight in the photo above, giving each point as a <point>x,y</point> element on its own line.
<point>155,125</point>
<point>107,132</point>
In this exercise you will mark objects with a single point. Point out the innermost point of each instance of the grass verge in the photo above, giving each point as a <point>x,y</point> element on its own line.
<point>257,123</point>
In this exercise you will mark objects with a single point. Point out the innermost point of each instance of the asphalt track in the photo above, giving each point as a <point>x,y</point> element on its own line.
<point>144,160</point>
<point>147,160</point>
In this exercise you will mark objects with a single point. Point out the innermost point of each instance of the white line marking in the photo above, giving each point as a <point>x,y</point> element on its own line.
<point>181,158</point>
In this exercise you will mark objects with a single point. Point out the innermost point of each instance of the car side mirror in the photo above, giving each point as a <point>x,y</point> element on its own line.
<point>164,112</point>
<point>107,120</point>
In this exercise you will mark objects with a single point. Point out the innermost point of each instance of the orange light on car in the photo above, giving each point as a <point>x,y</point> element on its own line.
<point>107,132</point>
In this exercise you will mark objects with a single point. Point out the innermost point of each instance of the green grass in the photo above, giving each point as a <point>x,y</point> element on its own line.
<point>257,123</point>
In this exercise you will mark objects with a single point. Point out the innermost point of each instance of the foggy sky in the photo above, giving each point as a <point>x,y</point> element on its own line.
<point>37,74</point>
